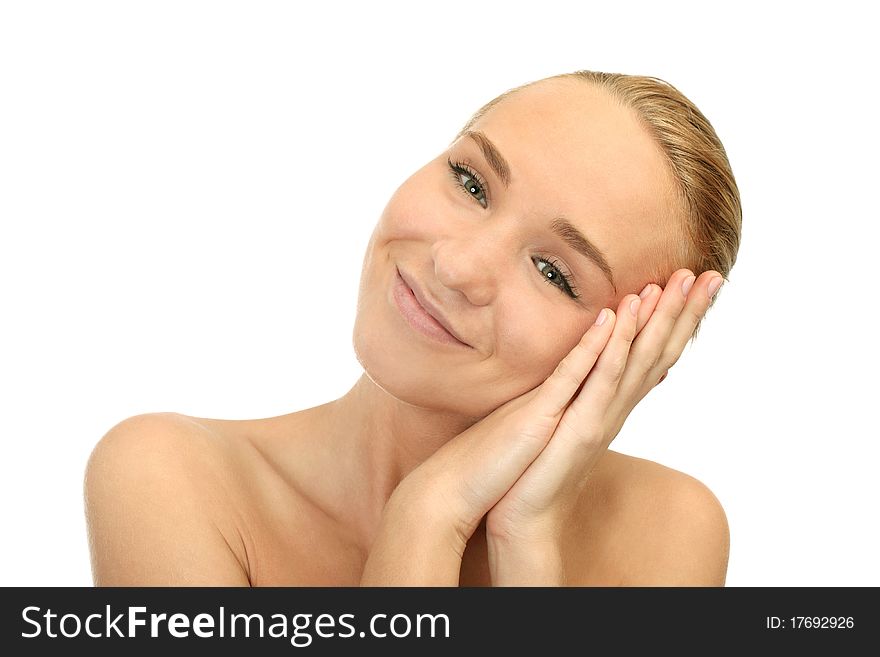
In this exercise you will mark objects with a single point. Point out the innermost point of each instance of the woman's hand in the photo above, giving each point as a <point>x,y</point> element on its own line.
<point>529,518</point>
<point>469,475</point>
<point>457,485</point>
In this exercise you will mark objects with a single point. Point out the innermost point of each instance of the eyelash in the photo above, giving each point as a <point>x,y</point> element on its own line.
<point>570,288</point>
<point>457,169</point>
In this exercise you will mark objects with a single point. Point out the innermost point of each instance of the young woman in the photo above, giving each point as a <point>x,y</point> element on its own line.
<point>520,294</point>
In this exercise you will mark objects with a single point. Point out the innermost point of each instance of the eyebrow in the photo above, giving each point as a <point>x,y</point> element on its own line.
<point>560,226</point>
<point>492,154</point>
<point>577,241</point>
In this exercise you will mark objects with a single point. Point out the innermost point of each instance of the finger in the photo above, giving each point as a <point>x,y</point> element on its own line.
<point>603,379</point>
<point>650,295</point>
<point>578,440</point>
<point>648,348</point>
<point>558,389</point>
<point>694,310</point>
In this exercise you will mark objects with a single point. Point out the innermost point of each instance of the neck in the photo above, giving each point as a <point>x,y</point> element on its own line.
<point>370,442</point>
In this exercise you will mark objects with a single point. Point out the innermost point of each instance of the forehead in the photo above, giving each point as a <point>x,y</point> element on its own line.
<point>575,150</point>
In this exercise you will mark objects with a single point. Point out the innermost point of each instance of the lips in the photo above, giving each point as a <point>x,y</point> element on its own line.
<point>429,306</point>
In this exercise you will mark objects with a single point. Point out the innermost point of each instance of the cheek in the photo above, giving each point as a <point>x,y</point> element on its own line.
<point>532,344</point>
<point>417,209</point>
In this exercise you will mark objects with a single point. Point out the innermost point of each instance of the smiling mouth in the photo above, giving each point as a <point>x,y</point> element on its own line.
<point>418,317</point>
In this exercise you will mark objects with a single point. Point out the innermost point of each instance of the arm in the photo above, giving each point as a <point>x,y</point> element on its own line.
<point>154,505</point>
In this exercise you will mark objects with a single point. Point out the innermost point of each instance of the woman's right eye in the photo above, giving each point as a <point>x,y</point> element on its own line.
<point>469,181</point>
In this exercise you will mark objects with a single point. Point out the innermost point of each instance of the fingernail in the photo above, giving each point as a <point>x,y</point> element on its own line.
<point>646,291</point>
<point>601,318</point>
<point>714,284</point>
<point>634,306</point>
<point>686,284</point>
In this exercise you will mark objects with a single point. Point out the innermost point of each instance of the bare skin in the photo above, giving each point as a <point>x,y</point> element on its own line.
<point>483,461</point>
<point>260,530</point>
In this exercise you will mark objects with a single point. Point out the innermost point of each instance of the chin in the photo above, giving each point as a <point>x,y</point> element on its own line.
<point>407,375</point>
<point>400,372</point>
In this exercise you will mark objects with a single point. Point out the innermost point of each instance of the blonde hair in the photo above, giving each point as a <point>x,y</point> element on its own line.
<point>709,231</point>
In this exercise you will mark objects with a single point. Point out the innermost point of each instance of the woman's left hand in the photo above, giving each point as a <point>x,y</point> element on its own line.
<point>529,519</point>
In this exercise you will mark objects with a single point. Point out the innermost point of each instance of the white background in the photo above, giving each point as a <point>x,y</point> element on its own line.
<point>187,189</point>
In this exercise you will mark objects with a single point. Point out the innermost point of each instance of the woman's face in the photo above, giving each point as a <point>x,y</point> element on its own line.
<point>493,244</point>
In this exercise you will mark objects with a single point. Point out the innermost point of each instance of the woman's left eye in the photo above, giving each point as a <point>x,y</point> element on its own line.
<point>469,181</point>
<point>552,272</point>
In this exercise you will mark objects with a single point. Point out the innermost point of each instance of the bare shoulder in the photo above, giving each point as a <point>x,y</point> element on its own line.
<point>665,527</point>
<point>158,503</point>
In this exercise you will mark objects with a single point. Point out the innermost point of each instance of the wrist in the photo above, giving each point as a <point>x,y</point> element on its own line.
<point>438,508</point>
<point>411,550</point>
<point>532,563</point>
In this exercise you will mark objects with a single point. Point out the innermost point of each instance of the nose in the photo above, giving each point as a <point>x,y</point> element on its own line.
<point>471,264</point>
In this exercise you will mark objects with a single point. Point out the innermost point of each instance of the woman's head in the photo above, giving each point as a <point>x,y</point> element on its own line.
<point>555,200</point>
